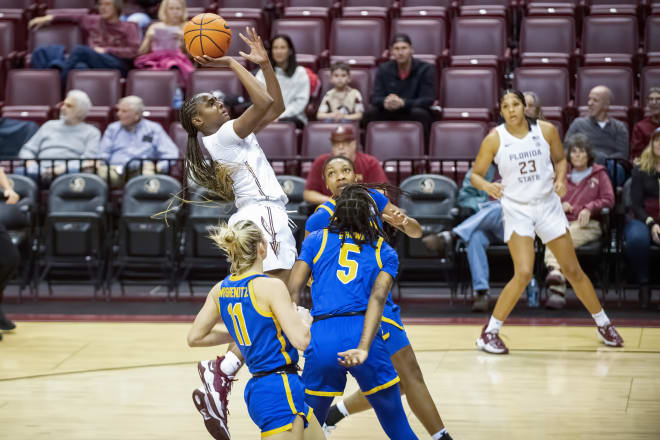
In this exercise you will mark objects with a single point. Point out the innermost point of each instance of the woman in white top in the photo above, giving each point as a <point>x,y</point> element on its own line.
<point>292,77</point>
<point>525,151</point>
<point>241,173</point>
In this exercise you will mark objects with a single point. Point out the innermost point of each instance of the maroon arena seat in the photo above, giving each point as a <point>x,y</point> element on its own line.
<point>358,42</point>
<point>63,34</point>
<point>103,88</point>
<point>468,93</point>
<point>401,139</point>
<point>610,40</point>
<point>547,41</point>
<point>156,88</point>
<point>19,12</point>
<point>208,80</point>
<point>613,7</point>
<point>237,45</point>
<point>652,40</point>
<point>309,39</point>
<point>236,13</point>
<point>279,141</point>
<point>551,84</point>
<point>179,136</point>
<point>7,51</point>
<point>437,12</point>
<point>32,94</point>
<point>454,140</point>
<point>245,4</point>
<point>479,42</point>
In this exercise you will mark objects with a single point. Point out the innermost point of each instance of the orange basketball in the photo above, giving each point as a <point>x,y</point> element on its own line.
<point>207,34</point>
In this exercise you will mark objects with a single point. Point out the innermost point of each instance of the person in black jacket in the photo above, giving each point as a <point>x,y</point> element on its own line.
<point>404,89</point>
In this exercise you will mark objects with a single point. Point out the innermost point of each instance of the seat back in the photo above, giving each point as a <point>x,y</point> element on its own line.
<point>478,36</point>
<point>208,80</point>
<point>550,84</point>
<point>428,196</point>
<point>145,196</point>
<point>618,79</point>
<point>468,88</point>
<point>102,86</point>
<point>293,187</point>
<point>316,138</point>
<point>63,34</point>
<point>308,35</point>
<point>155,87</point>
<point>17,216</point>
<point>542,35</point>
<point>6,38</point>
<point>456,140</point>
<point>70,4</point>
<point>429,36</point>
<point>278,139</point>
<point>389,140</point>
<point>239,25</point>
<point>610,35</point>
<point>33,87</point>
<point>652,34</point>
<point>356,37</point>
<point>78,192</point>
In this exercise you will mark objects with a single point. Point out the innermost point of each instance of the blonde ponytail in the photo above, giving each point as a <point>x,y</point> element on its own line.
<point>240,242</point>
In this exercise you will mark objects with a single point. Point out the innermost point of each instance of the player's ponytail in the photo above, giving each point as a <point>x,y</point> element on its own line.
<point>213,175</point>
<point>239,242</point>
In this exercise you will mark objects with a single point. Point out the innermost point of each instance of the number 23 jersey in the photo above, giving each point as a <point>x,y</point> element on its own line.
<point>344,275</point>
<point>525,165</point>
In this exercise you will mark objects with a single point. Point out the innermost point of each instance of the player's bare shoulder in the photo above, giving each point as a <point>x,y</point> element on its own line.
<point>267,285</point>
<point>491,142</point>
<point>548,129</point>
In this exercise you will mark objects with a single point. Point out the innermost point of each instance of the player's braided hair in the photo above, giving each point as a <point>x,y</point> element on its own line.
<point>356,216</point>
<point>212,175</point>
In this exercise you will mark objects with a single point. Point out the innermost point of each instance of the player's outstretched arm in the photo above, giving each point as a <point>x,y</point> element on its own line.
<point>295,324</point>
<point>393,215</point>
<point>298,279</point>
<point>201,333</point>
<point>372,319</point>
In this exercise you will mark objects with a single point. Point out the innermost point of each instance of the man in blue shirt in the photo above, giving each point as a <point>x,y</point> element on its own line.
<point>133,137</point>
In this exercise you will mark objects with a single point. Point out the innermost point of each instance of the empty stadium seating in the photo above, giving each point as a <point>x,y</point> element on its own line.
<point>103,88</point>
<point>32,94</point>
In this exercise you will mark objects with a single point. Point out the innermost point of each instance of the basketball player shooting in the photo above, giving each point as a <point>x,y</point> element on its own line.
<point>239,172</point>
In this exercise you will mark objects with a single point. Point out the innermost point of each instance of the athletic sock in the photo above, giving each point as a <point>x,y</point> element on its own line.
<point>493,325</point>
<point>601,318</point>
<point>230,364</point>
<point>334,416</point>
<point>342,408</point>
<point>438,435</point>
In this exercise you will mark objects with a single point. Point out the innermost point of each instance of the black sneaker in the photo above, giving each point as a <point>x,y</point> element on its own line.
<point>446,436</point>
<point>5,323</point>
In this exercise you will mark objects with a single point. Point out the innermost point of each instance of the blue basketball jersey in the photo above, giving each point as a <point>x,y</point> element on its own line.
<point>344,275</point>
<point>258,334</point>
<point>321,217</point>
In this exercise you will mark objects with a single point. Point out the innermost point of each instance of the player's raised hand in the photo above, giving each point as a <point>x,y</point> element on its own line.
<point>352,357</point>
<point>207,61</point>
<point>258,54</point>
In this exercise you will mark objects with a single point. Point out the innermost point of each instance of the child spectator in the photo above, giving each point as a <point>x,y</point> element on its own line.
<point>342,102</point>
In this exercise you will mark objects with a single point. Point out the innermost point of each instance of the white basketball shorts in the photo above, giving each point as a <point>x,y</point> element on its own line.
<point>545,217</point>
<point>274,224</point>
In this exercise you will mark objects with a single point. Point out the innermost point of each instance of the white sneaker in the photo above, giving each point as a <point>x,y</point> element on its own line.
<point>217,386</point>
<point>214,424</point>
<point>327,430</point>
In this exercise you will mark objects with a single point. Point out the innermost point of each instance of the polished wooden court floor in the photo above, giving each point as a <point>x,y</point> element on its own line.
<point>134,381</point>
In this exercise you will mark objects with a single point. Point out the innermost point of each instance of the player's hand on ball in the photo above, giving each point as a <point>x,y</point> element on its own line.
<point>560,189</point>
<point>258,54</point>
<point>495,189</point>
<point>353,357</point>
<point>207,61</point>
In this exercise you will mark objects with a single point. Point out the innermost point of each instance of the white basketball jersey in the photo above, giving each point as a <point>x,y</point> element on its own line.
<point>255,180</point>
<point>525,165</point>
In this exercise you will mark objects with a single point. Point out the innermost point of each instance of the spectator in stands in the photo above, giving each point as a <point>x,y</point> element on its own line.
<point>533,105</point>
<point>68,137</point>
<point>342,102</point>
<point>644,228</point>
<point>478,231</point>
<point>404,88</point>
<point>588,191</point>
<point>367,168</point>
<point>608,136</point>
<point>110,43</point>
<point>133,137</point>
<point>162,45</point>
<point>13,134</point>
<point>9,256</point>
<point>292,77</point>
<point>641,132</point>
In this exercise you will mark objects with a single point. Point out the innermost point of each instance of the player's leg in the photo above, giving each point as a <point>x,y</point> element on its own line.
<point>320,404</point>
<point>564,251</point>
<point>389,410</point>
<point>522,252</point>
